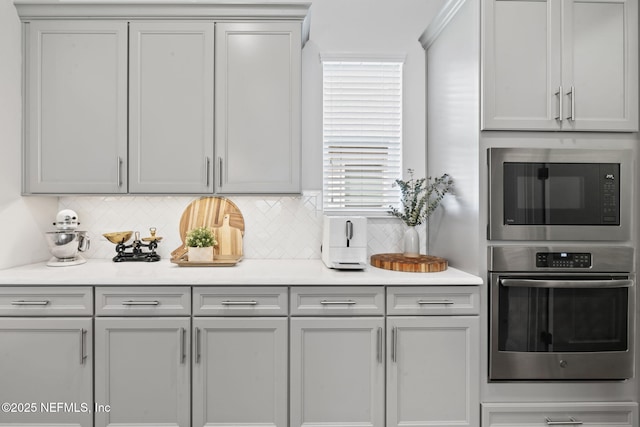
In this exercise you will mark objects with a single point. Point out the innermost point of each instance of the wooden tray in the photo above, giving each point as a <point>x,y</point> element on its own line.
<point>399,262</point>
<point>220,214</point>
<point>219,261</point>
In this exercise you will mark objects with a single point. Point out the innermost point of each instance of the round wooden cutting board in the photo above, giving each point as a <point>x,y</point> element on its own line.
<point>218,213</point>
<point>399,262</point>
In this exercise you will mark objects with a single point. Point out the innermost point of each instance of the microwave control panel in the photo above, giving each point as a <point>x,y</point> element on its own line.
<point>563,260</point>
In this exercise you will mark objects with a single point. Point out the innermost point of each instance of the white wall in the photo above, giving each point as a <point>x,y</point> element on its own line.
<point>24,219</point>
<point>453,110</point>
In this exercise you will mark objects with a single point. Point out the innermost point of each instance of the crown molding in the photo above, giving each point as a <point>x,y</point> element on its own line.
<point>441,20</point>
<point>140,9</point>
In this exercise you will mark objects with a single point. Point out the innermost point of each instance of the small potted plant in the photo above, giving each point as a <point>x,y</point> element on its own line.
<point>200,242</point>
<point>420,197</point>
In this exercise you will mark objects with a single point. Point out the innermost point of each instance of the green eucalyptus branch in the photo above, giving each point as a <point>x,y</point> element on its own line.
<point>420,197</point>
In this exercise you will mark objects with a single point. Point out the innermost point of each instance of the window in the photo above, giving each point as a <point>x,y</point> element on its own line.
<point>362,134</point>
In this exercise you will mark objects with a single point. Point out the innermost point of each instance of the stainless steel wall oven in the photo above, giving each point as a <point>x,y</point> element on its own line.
<point>560,194</point>
<point>561,313</point>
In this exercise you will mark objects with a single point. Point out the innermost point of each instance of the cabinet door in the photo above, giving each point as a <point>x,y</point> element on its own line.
<point>171,107</point>
<point>142,371</point>
<point>240,372</point>
<point>45,360</point>
<point>258,68</point>
<point>600,65</point>
<point>76,92</point>
<point>521,65</point>
<point>433,371</point>
<point>337,372</point>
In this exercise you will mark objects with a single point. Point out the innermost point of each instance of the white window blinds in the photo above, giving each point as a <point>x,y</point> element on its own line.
<point>362,134</point>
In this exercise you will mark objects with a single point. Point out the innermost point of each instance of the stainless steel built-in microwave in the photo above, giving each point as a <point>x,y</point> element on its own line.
<point>560,194</point>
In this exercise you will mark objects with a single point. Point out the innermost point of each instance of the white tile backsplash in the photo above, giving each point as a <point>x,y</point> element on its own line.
<point>287,227</point>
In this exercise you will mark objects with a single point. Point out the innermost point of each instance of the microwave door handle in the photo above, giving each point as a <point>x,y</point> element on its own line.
<point>541,283</point>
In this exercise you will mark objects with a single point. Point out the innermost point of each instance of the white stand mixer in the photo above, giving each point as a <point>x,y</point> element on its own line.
<point>66,242</point>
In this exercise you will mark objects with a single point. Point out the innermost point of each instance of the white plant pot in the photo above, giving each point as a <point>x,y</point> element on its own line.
<point>200,254</point>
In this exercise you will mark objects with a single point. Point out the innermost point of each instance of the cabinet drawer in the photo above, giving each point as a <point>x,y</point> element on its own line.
<point>153,301</point>
<point>46,301</point>
<point>433,300</point>
<point>337,301</point>
<point>240,301</point>
<point>620,414</point>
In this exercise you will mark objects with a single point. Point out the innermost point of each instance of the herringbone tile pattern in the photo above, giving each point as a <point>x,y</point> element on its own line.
<point>287,227</point>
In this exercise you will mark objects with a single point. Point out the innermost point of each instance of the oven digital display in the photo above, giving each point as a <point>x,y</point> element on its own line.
<point>563,260</point>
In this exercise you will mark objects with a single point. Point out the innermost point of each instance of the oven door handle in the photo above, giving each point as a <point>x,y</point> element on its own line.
<point>541,283</point>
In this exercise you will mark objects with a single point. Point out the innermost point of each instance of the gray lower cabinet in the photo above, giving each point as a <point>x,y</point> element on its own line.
<point>337,356</point>
<point>432,373</point>
<point>142,371</point>
<point>240,371</point>
<point>142,360</point>
<point>337,371</point>
<point>44,361</point>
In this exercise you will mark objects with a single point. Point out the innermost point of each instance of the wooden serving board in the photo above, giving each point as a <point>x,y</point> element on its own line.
<point>399,262</point>
<point>229,238</point>
<point>220,214</point>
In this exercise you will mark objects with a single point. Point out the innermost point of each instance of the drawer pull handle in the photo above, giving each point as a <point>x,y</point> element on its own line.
<point>572,98</point>
<point>571,422</point>
<point>379,345</point>
<point>346,302</point>
<point>183,345</point>
<point>560,95</point>
<point>22,302</point>
<point>83,355</point>
<point>220,171</point>
<point>394,345</point>
<point>140,302</point>
<point>207,163</point>
<point>252,302</point>
<point>197,345</point>
<point>435,302</point>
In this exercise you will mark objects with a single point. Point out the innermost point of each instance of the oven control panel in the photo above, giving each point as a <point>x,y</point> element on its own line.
<point>563,259</point>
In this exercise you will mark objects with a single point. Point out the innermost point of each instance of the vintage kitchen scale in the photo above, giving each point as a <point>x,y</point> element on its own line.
<point>139,250</point>
<point>227,222</point>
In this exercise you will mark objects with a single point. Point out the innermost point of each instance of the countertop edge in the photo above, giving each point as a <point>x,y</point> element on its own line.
<point>249,272</point>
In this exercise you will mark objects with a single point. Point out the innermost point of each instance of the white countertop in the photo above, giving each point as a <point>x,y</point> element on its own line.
<point>247,272</point>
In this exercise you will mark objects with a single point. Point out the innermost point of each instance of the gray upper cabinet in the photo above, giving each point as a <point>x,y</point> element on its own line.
<point>171,107</point>
<point>258,67</point>
<point>120,98</point>
<point>76,107</point>
<point>568,65</point>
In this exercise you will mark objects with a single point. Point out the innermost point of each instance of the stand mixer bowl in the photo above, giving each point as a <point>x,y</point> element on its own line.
<point>65,244</point>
